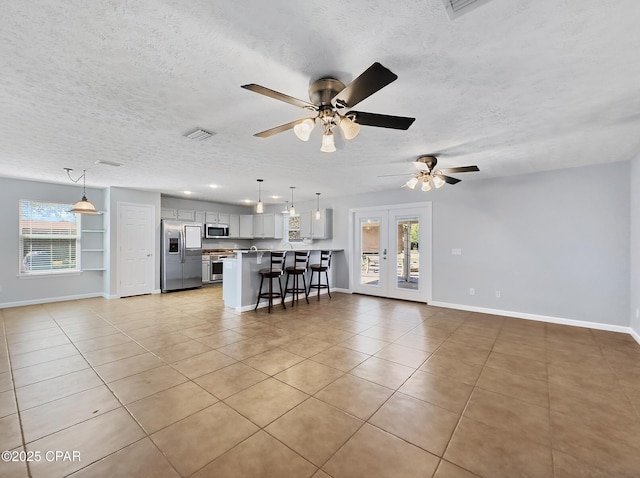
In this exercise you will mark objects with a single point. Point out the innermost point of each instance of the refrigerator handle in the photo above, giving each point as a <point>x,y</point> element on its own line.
<point>181,246</point>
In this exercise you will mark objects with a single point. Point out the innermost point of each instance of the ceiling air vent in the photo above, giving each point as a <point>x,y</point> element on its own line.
<point>199,134</point>
<point>455,8</point>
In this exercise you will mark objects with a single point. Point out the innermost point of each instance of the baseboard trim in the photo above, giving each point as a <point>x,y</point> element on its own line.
<point>21,303</point>
<point>635,335</point>
<point>538,318</point>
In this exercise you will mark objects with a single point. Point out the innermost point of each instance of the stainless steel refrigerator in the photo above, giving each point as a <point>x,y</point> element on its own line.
<point>181,251</point>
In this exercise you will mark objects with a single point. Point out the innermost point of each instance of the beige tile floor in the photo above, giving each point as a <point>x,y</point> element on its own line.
<point>175,385</point>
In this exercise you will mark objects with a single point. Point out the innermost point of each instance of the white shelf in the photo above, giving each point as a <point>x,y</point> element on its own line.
<point>94,230</point>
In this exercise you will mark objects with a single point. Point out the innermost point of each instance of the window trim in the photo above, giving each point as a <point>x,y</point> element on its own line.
<point>22,274</point>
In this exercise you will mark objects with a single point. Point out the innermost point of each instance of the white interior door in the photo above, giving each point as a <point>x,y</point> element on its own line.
<point>136,245</point>
<point>392,252</point>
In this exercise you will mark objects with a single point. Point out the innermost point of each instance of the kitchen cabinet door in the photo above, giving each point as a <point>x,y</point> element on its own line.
<point>246,226</point>
<point>234,225</point>
<point>206,271</point>
<point>186,215</point>
<point>223,218</point>
<point>211,217</point>
<point>167,213</point>
<point>322,227</point>
<point>306,231</point>
<point>258,225</point>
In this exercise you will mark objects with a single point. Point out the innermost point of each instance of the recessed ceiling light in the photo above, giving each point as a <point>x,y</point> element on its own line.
<point>213,186</point>
<point>246,201</point>
<point>275,197</point>
<point>188,193</point>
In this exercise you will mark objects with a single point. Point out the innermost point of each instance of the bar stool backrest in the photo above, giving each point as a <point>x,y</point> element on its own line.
<point>301,260</point>
<point>277,261</point>
<point>325,259</point>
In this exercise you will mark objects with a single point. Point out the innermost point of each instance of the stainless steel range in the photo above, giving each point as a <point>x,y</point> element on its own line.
<point>217,266</point>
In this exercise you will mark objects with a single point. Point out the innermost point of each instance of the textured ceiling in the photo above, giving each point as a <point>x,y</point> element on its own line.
<point>513,86</point>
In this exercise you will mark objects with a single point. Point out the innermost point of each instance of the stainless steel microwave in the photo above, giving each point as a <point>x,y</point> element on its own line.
<point>214,231</point>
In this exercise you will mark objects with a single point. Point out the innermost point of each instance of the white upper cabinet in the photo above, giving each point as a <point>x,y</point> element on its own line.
<point>211,217</point>
<point>246,226</point>
<point>168,213</point>
<point>223,218</point>
<point>267,226</point>
<point>234,225</point>
<point>312,228</point>
<point>186,215</point>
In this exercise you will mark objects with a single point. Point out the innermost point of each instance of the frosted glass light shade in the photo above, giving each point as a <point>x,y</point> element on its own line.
<point>303,129</point>
<point>84,207</point>
<point>438,182</point>
<point>328,143</point>
<point>411,184</point>
<point>349,128</point>
<point>426,185</point>
<point>259,208</point>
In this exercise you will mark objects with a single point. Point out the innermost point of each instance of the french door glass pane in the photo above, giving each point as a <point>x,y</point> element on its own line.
<point>408,256</point>
<point>370,247</point>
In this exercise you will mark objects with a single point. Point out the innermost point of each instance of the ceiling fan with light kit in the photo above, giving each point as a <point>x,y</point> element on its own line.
<point>331,102</point>
<point>432,177</point>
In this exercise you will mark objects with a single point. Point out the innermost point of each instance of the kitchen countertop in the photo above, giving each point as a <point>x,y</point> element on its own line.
<point>245,251</point>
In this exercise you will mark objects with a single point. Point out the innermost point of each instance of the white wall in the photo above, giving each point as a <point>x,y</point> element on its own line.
<point>635,248</point>
<point>23,291</point>
<point>554,244</point>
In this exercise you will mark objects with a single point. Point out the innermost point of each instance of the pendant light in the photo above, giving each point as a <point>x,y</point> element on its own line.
<point>83,206</point>
<point>318,207</point>
<point>292,209</point>
<point>259,206</point>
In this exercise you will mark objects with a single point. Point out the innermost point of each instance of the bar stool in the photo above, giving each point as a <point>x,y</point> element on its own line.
<point>322,266</point>
<point>274,271</point>
<point>299,268</point>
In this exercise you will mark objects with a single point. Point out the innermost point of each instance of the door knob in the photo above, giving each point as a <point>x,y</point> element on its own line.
<point>149,255</point>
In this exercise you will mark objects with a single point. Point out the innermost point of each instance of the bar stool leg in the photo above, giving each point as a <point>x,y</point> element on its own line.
<point>281,293</point>
<point>326,273</point>
<point>259,293</point>
<point>306,293</point>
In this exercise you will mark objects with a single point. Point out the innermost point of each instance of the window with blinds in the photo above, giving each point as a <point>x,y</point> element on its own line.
<point>49,237</point>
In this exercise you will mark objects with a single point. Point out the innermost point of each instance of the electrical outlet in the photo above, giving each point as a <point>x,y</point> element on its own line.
<point>497,294</point>
<point>472,291</point>
<point>456,252</point>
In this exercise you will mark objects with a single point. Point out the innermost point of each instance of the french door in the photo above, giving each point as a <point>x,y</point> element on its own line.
<point>392,252</point>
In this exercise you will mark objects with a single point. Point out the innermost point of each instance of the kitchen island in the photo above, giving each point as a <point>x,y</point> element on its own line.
<point>241,280</point>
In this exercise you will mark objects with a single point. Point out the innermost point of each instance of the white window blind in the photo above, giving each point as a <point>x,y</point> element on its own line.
<point>49,237</point>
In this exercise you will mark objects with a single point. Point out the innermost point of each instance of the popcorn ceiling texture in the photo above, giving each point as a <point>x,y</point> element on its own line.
<point>513,86</point>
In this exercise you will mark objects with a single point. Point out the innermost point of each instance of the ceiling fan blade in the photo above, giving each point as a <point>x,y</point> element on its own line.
<point>449,179</point>
<point>381,121</point>
<point>420,166</point>
<point>279,96</point>
<point>277,129</point>
<point>371,80</point>
<point>461,169</point>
